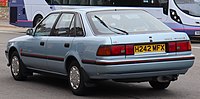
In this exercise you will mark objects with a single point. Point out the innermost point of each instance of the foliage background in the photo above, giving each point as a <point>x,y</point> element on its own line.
<point>3,9</point>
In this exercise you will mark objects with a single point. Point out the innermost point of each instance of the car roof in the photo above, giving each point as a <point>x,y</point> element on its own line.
<point>92,8</point>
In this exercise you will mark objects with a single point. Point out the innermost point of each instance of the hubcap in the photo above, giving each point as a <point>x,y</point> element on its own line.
<point>15,66</point>
<point>74,77</point>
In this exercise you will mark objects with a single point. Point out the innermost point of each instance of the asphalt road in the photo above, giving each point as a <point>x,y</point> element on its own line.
<point>44,87</point>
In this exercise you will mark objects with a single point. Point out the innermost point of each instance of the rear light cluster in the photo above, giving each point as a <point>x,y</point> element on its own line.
<point>115,50</point>
<point>179,46</point>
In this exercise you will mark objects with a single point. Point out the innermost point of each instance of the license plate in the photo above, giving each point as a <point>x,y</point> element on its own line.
<point>197,32</point>
<point>139,49</point>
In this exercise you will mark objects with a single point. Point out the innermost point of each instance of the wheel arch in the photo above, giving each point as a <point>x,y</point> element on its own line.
<point>11,50</point>
<point>72,57</point>
<point>68,60</point>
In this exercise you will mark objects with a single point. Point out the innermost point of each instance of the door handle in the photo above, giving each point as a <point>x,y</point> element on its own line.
<point>66,45</point>
<point>42,43</point>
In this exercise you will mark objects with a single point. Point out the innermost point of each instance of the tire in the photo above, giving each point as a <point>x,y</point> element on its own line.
<point>159,85</point>
<point>76,79</point>
<point>37,19</point>
<point>17,67</point>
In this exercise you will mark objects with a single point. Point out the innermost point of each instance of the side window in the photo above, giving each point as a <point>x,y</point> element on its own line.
<point>79,28</point>
<point>48,1</point>
<point>74,2</point>
<point>57,2</point>
<point>79,2</point>
<point>68,25</point>
<point>103,2</point>
<point>72,31</point>
<point>76,27</point>
<point>65,1</point>
<point>64,25</point>
<point>44,28</point>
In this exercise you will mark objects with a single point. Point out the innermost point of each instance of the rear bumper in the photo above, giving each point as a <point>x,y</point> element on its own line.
<point>139,75</point>
<point>122,69</point>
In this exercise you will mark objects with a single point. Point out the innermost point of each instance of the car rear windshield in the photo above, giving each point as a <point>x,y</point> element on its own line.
<point>125,22</point>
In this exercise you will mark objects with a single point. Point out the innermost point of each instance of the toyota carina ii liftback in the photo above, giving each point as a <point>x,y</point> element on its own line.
<point>90,44</point>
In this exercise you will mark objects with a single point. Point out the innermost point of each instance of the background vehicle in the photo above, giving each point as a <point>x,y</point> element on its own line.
<point>180,15</point>
<point>92,44</point>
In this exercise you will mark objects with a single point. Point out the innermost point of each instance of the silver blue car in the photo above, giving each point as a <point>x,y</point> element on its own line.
<point>85,45</point>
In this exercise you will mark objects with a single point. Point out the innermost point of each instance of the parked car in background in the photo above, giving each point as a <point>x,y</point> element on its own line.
<point>99,43</point>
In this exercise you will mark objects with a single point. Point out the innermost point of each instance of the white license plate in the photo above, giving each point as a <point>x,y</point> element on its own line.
<point>197,32</point>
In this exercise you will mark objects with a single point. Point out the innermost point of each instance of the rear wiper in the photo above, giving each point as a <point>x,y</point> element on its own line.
<point>110,28</point>
<point>120,30</point>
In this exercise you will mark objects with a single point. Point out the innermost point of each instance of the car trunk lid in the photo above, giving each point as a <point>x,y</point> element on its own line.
<point>149,44</point>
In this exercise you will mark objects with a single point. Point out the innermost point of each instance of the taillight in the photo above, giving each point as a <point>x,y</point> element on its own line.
<point>129,49</point>
<point>172,46</point>
<point>182,46</point>
<point>118,50</point>
<point>179,46</point>
<point>114,50</point>
<point>189,46</point>
<point>104,51</point>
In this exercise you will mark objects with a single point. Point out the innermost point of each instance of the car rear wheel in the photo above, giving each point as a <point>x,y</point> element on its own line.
<point>76,79</point>
<point>18,70</point>
<point>159,85</point>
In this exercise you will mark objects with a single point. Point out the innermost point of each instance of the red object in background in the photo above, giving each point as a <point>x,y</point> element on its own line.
<point>3,3</point>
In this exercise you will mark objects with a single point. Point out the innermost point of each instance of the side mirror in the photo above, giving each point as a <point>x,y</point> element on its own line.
<point>29,32</point>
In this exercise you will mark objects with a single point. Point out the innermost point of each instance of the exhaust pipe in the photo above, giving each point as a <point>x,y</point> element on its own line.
<point>167,78</point>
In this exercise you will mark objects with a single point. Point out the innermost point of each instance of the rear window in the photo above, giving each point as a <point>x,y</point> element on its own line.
<point>125,21</point>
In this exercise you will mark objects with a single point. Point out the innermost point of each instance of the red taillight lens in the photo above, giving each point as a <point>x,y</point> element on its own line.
<point>182,46</point>
<point>129,49</point>
<point>179,46</point>
<point>172,46</point>
<point>114,50</point>
<point>118,50</point>
<point>189,46</point>
<point>104,51</point>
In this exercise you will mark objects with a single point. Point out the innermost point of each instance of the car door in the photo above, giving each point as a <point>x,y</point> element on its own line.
<point>60,43</point>
<point>34,48</point>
